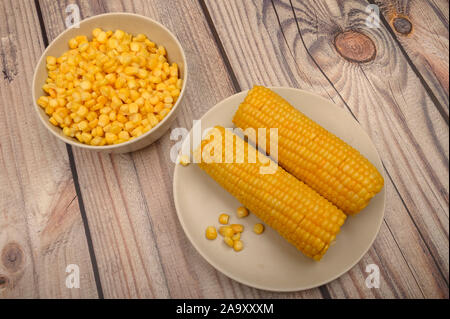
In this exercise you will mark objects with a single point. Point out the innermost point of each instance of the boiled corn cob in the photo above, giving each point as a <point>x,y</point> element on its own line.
<point>327,164</point>
<point>297,212</point>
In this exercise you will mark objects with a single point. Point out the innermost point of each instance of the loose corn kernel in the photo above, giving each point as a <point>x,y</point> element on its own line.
<point>258,228</point>
<point>73,43</point>
<point>96,141</point>
<point>223,219</point>
<point>101,37</point>
<point>184,160</point>
<point>242,212</point>
<point>228,241</point>
<point>226,231</point>
<point>236,236</point>
<point>211,232</point>
<point>86,85</point>
<point>124,135</point>
<point>53,121</point>
<point>238,245</point>
<point>237,228</point>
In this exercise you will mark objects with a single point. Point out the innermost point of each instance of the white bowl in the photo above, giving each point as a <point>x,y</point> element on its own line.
<point>130,23</point>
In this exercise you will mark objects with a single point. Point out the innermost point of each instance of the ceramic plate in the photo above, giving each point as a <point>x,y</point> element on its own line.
<point>268,261</point>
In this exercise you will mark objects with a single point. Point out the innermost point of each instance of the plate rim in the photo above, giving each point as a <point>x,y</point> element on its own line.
<point>243,281</point>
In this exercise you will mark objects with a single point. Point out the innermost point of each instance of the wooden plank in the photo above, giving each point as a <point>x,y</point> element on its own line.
<point>264,46</point>
<point>140,247</point>
<point>422,29</point>
<point>41,229</point>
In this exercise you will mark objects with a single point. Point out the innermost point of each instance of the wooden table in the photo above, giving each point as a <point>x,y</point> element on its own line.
<point>114,216</point>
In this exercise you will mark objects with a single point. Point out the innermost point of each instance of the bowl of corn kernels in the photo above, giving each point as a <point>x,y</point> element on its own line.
<point>112,85</point>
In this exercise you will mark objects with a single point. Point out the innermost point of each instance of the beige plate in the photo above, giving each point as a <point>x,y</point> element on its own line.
<point>268,261</point>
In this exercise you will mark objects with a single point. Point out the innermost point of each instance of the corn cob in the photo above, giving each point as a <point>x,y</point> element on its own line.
<point>297,212</point>
<point>327,164</point>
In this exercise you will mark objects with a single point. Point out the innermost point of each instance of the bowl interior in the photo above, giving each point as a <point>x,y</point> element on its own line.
<point>129,23</point>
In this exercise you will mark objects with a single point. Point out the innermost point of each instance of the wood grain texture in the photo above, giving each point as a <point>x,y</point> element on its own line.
<point>427,43</point>
<point>265,46</point>
<point>41,230</point>
<point>140,247</point>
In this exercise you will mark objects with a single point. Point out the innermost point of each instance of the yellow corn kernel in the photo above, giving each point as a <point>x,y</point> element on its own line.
<point>91,116</point>
<point>159,107</point>
<point>124,135</point>
<point>42,101</point>
<point>51,60</point>
<point>81,38</point>
<point>133,108</point>
<point>96,141</point>
<point>238,245</point>
<point>86,137</point>
<point>226,231</point>
<point>103,120</point>
<point>83,125</point>
<point>79,137</point>
<point>184,160</point>
<point>121,118</point>
<point>211,232</point>
<point>99,131</point>
<point>67,131</point>
<point>115,129</point>
<point>53,121</point>
<point>86,85</point>
<point>119,34</point>
<point>164,112</point>
<point>228,241</point>
<point>236,236</point>
<point>93,123</point>
<point>134,94</point>
<point>153,119</point>
<point>258,228</point>
<point>223,219</point>
<point>73,43</point>
<point>154,99</point>
<point>129,125</point>
<point>242,212</point>
<point>83,46</point>
<point>131,70</point>
<point>237,228</point>
<point>101,37</point>
<point>82,111</point>
<point>135,47</point>
<point>49,110</point>
<point>105,110</point>
<point>138,131</point>
<point>112,116</point>
<point>96,32</point>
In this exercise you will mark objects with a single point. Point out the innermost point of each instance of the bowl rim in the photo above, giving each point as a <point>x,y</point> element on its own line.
<point>129,142</point>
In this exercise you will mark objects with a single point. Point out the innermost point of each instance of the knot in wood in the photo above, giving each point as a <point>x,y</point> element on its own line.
<point>402,25</point>
<point>12,257</point>
<point>355,46</point>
